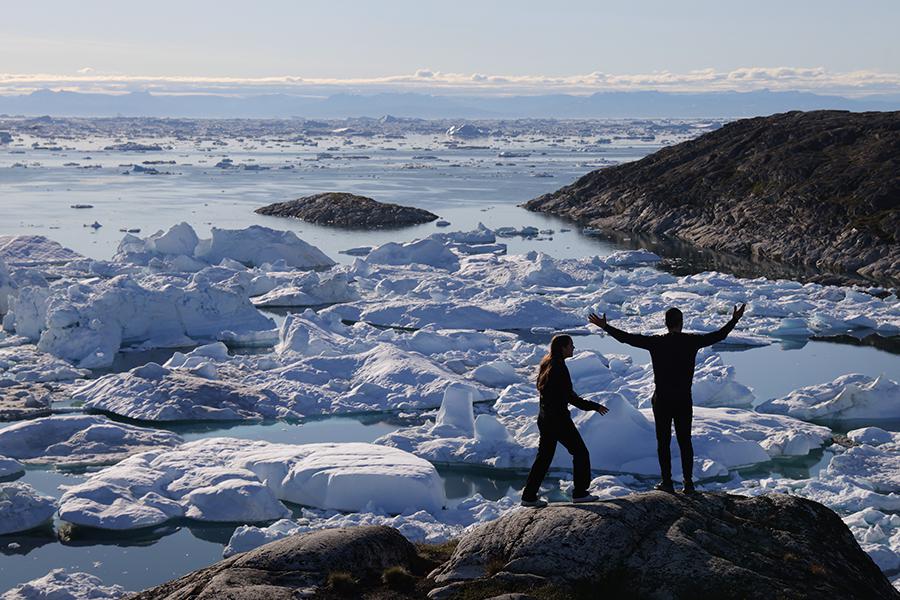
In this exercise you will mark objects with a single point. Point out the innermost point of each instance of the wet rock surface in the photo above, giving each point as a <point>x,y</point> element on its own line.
<point>817,188</point>
<point>350,211</point>
<point>658,545</point>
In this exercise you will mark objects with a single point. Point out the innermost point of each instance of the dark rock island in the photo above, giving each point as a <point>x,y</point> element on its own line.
<point>815,188</point>
<point>340,209</point>
<point>649,545</point>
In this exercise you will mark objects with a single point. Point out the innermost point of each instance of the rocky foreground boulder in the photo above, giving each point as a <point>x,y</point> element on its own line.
<point>292,567</point>
<point>651,545</point>
<point>658,545</point>
<point>817,188</point>
<point>339,209</point>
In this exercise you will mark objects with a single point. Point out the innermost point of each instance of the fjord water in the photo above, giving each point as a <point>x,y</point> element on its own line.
<point>468,187</point>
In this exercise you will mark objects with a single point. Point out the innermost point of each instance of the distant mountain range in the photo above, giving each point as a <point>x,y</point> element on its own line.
<point>647,104</point>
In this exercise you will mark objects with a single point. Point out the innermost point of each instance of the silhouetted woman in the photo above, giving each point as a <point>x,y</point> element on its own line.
<point>555,424</point>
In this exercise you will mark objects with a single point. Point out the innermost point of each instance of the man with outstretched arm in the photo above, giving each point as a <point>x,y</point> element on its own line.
<point>673,355</point>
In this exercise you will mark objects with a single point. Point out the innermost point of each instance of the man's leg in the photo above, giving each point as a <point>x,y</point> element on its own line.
<point>581,458</point>
<point>683,416</point>
<point>546,450</point>
<point>662,416</point>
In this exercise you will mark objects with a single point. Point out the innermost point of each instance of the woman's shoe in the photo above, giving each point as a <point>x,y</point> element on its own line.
<point>688,487</point>
<point>536,503</point>
<point>585,498</point>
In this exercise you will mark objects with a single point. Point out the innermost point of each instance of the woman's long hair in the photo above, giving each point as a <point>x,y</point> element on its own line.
<point>553,359</point>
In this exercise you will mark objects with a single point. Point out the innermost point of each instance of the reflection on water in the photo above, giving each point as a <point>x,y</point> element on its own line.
<point>887,344</point>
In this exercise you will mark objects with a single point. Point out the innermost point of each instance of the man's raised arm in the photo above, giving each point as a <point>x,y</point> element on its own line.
<point>632,339</point>
<point>708,339</point>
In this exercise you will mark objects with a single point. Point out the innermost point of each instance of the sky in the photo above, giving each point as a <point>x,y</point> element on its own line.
<point>460,46</point>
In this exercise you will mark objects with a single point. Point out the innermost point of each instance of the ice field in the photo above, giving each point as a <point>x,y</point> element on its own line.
<point>220,379</point>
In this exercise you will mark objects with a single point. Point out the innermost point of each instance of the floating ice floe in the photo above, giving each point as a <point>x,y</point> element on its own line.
<point>155,393</point>
<point>78,440</point>
<point>631,258</point>
<point>26,364</point>
<point>422,252</point>
<point>87,323</point>
<point>10,467</point>
<point>416,526</point>
<point>494,313</point>
<point>851,396</point>
<point>309,289</point>
<point>381,378</point>
<point>23,508</point>
<point>233,480</point>
<point>33,250</point>
<point>59,585</point>
<point>875,466</point>
<point>879,535</point>
<point>181,249</point>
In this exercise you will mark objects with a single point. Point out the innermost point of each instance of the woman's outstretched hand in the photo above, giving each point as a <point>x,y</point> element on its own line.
<point>599,321</point>
<point>601,409</point>
<point>738,311</point>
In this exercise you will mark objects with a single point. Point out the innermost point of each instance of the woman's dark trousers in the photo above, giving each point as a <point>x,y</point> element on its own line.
<point>559,429</point>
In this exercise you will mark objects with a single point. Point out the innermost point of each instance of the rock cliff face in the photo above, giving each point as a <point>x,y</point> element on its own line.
<point>818,188</point>
<point>659,545</point>
<point>340,209</point>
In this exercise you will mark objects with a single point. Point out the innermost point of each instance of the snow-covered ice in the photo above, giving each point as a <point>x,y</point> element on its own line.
<point>10,467</point>
<point>156,393</point>
<point>33,250</point>
<point>87,323</point>
<point>417,526</point>
<point>79,440</point>
<point>23,508</point>
<point>60,585</point>
<point>226,479</point>
<point>850,396</point>
<point>252,247</point>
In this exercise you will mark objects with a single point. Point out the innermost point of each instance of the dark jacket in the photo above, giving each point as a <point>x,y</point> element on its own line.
<point>674,356</point>
<point>558,393</point>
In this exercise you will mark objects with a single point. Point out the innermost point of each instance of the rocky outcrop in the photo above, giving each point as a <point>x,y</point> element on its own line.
<point>339,209</point>
<point>818,188</point>
<point>658,545</point>
<point>293,567</point>
<point>650,545</point>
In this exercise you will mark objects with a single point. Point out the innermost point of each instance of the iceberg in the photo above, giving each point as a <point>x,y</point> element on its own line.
<point>23,508</point>
<point>848,397</point>
<point>81,440</point>
<point>233,480</point>
<point>59,585</point>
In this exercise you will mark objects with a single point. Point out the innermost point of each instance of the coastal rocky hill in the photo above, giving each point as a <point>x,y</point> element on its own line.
<point>817,188</point>
<point>340,209</point>
<point>650,545</point>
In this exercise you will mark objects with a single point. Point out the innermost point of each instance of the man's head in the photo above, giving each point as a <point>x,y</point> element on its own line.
<point>674,320</point>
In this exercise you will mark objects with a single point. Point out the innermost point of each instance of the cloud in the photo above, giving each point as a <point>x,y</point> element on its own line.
<point>812,79</point>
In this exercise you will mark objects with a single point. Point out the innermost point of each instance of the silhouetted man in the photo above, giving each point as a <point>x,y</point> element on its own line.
<point>674,355</point>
